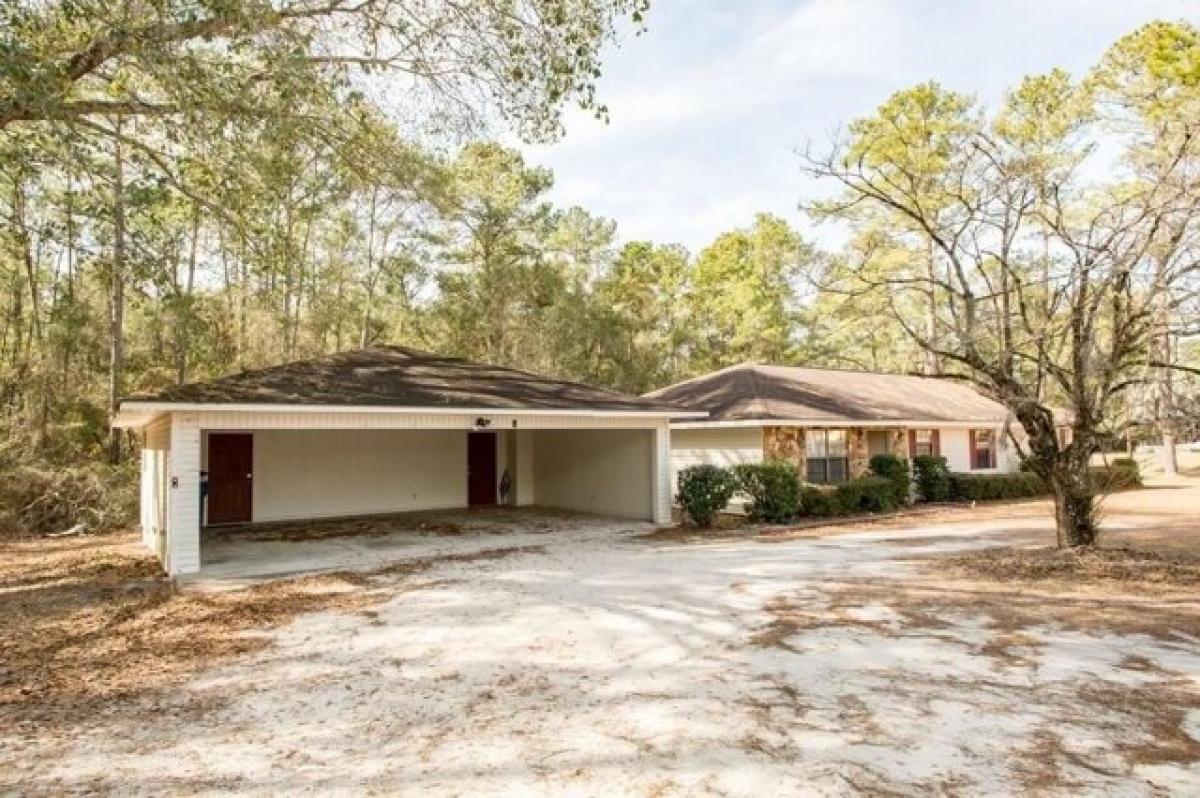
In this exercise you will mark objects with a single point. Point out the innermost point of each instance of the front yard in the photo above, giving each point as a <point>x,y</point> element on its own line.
<point>589,656</point>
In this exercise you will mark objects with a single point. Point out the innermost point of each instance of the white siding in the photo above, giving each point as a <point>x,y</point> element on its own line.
<point>183,496</point>
<point>956,448</point>
<point>327,473</point>
<point>524,475</point>
<point>156,450</point>
<point>597,471</point>
<point>954,445</point>
<point>721,446</point>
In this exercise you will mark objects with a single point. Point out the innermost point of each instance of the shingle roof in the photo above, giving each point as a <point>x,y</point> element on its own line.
<point>759,392</point>
<point>395,376</point>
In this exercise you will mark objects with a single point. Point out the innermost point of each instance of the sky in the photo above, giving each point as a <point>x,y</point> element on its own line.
<point>709,106</point>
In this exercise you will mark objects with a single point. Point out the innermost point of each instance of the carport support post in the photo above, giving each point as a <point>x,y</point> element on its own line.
<point>662,474</point>
<point>183,496</point>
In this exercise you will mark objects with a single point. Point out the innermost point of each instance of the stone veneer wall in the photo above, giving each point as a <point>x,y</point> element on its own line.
<point>785,443</point>
<point>858,452</point>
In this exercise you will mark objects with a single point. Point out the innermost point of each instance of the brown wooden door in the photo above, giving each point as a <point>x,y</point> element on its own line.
<point>481,469</point>
<point>230,478</point>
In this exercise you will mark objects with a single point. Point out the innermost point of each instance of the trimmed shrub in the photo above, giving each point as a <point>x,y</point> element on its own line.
<point>1125,476</point>
<point>895,470</point>
<point>932,477</point>
<point>878,494</point>
<point>704,490</point>
<point>847,497</point>
<point>773,488</point>
<point>817,503</point>
<point>865,494</point>
<point>989,487</point>
<point>1132,472</point>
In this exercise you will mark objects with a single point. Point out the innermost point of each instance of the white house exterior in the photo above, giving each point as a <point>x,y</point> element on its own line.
<point>411,431</point>
<point>830,422</point>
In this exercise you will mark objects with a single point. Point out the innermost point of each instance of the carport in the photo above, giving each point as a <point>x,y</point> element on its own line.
<point>385,430</point>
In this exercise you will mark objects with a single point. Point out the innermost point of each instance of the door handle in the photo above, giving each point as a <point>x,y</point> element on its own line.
<point>250,476</point>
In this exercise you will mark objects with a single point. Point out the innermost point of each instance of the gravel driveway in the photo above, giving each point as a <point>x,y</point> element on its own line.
<point>602,662</point>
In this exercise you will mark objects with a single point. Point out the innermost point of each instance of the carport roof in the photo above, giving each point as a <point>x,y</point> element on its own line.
<point>757,392</point>
<point>402,378</point>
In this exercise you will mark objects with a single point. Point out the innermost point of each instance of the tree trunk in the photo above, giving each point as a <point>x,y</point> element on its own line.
<point>933,366</point>
<point>116,319</point>
<point>183,326</point>
<point>1074,505</point>
<point>1162,351</point>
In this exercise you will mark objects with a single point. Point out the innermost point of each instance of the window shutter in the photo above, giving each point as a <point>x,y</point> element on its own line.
<point>935,438</point>
<point>912,443</point>
<point>973,450</point>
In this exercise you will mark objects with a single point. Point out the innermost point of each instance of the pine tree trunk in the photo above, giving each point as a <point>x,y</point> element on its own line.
<point>116,320</point>
<point>183,328</point>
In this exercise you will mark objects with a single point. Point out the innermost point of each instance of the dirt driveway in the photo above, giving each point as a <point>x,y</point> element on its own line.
<point>606,662</point>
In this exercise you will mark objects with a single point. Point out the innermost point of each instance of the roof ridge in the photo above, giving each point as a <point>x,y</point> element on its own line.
<point>872,372</point>
<point>745,364</point>
<point>756,389</point>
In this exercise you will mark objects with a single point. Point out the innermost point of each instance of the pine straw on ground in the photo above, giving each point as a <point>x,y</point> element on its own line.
<point>492,520</point>
<point>86,623</point>
<point>1079,566</point>
<point>366,526</point>
<point>730,527</point>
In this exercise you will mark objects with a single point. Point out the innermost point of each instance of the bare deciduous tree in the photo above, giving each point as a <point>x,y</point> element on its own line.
<point>1051,285</point>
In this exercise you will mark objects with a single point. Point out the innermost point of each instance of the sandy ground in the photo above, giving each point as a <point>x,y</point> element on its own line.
<point>598,660</point>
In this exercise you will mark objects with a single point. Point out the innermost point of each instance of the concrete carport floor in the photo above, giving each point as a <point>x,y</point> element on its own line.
<point>237,556</point>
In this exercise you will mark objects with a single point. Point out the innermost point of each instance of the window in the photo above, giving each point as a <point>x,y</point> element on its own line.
<point>1065,436</point>
<point>825,454</point>
<point>922,442</point>
<point>983,448</point>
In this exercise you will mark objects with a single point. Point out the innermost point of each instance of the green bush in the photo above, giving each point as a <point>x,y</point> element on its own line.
<point>878,494</point>
<point>988,487</point>
<point>865,494</point>
<point>704,490</point>
<point>932,478</point>
<point>817,503</point>
<point>1131,472</point>
<point>1125,476</point>
<point>847,497</point>
<point>895,470</point>
<point>773,488</point>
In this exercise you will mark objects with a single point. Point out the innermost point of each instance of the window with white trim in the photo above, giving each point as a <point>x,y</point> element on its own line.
<point>825,456</point>
<point>923,442</point>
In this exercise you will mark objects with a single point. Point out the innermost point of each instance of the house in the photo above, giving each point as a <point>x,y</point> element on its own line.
<point>831,422</point>
<point>388,429</point>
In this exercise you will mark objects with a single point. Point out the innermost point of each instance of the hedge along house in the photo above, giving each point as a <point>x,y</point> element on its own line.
<point>830,423</point>
<point>383,430</point>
